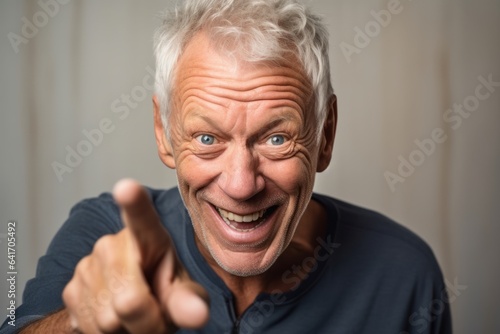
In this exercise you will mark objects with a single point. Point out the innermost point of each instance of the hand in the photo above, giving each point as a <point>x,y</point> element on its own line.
<point>133,281</point>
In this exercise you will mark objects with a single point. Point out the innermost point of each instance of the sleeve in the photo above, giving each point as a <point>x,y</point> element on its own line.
<point>88,221</point>
<point>430,312</point>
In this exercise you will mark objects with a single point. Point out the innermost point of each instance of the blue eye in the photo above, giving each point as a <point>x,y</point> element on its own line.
<point>206,139</point>
<point>276,140</point>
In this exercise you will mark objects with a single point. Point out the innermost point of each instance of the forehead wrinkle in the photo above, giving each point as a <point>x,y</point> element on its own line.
<point>247,78</point>
<point>195,94</point>
<point>227,96</point>
<point>229,87</point>
<point>259,93</point>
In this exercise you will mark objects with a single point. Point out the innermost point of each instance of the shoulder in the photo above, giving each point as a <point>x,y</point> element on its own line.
<point>382,272</point>
<point>166,201</point>
<point>97,216</point>
<point>379,241</point>
<point>104,206</point>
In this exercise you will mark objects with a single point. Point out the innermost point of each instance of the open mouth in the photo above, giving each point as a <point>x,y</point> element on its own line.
<point>245,223</point>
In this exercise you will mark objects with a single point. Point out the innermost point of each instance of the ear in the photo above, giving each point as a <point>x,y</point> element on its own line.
<point>328,135</point>
<point>165,151</point>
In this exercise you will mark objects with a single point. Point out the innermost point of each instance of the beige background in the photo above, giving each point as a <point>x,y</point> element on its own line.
<point>72,73</point>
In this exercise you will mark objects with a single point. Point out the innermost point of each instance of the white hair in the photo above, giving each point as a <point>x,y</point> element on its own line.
<point>254,31</point>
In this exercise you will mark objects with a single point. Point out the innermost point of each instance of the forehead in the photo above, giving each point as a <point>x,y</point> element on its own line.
<point>203,66</point>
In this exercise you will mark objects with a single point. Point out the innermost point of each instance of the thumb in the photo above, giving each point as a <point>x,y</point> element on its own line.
<point>185,302</point>
<point>188,305</point>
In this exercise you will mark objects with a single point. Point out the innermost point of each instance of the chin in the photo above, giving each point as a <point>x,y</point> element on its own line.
<point>245,263</point>
<point>244,270</point>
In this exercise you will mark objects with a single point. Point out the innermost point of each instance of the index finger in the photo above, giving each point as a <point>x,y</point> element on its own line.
<point>140,216</point>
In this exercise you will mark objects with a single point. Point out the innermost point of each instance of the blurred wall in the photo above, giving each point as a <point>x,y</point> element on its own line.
<point>417,138</point>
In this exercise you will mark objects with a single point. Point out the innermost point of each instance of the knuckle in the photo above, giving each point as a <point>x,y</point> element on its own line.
<point>83,276</point>
<point>104,245</point>
<point>82,267</point>
<point>70,293</point>
<point>132,303</point>
<point>107,321</point>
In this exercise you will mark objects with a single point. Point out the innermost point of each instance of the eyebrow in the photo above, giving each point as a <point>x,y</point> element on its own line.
<point>274,123</point>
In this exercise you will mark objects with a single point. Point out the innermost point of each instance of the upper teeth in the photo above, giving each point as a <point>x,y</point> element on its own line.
<point>237,218</point>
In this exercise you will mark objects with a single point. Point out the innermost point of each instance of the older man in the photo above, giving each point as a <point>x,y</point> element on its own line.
<point>245,113</point>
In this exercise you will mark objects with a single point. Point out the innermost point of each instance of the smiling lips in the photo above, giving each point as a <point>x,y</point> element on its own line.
<point>245,223</point>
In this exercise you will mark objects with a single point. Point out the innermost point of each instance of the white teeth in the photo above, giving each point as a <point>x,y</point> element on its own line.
<point>233,217</point>
<point>255,216</point>
<point>237,218</point>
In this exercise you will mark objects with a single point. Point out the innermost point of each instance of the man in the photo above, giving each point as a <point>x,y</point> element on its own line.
<point>245,113</point>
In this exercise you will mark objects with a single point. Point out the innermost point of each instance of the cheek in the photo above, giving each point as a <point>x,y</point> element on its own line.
<point>291,175</point>
<point>193,172</point>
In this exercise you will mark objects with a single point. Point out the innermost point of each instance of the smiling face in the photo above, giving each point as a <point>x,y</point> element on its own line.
<point>243,142</point>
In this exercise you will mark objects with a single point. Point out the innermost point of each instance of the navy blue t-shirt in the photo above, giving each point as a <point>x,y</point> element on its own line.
<point>368,275</point>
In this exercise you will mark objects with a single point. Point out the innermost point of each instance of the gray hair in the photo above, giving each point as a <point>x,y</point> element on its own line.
<point>252,31</point>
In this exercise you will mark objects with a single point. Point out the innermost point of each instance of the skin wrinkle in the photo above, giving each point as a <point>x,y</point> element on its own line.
<point>283,120</point>
<point>214,100</point>
<point>254,38</point>
<point>309,162</point>
<point>259,75</point>
<point>241,171</point>
<point>243,91</point>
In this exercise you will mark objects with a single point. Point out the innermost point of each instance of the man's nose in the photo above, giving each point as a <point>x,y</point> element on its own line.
<point>240,178</point>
